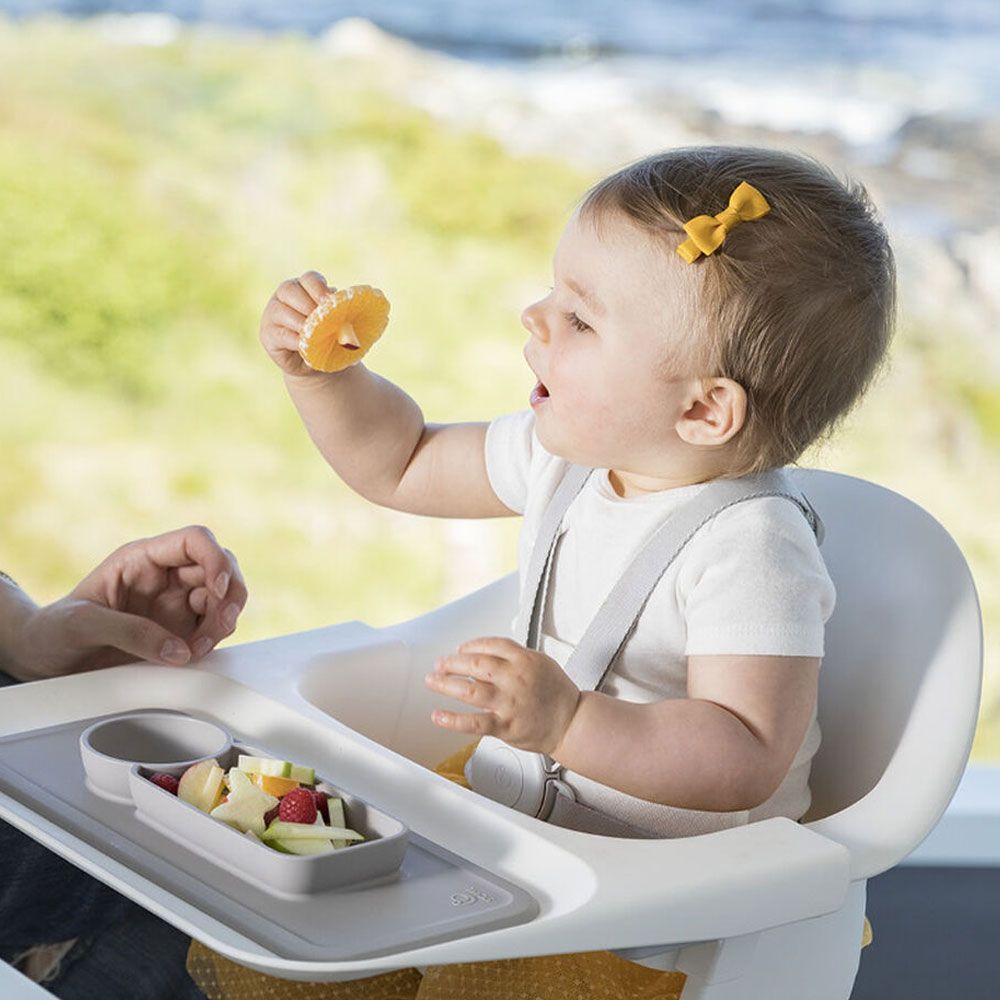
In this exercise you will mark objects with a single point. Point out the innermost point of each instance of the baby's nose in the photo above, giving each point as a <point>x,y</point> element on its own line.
<point>533,322</point>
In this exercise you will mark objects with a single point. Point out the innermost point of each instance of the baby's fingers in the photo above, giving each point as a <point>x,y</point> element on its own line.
<point>280,314</point>
<point>293,293</point>
<point>279,338</point>
<point>478,723</point>
<point>478,693</point>
<point>477,665</point>
<point>315,285</point>
<point>493,645</point>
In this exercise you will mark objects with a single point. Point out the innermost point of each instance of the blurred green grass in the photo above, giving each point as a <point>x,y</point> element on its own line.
<point>152,200</point>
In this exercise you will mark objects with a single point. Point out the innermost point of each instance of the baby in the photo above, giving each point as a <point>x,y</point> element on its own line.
<point>714,311</point>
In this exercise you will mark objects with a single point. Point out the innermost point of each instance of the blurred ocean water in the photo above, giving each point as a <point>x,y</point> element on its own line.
<point>858,68</point>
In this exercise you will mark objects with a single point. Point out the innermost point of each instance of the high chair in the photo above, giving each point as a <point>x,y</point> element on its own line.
<point>769,911</point>
<point>899,694</point>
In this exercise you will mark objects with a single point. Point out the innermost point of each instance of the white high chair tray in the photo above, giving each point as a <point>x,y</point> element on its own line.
<point>350,701</point>
<point>434,895</point>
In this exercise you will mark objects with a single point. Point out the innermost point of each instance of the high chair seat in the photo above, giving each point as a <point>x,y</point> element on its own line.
<point>899,694</point>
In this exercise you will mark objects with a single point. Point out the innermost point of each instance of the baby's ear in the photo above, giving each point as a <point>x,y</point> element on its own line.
<point>714,412</point>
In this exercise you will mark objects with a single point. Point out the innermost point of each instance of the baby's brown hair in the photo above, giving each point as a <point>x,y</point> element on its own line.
<point>798,307</point>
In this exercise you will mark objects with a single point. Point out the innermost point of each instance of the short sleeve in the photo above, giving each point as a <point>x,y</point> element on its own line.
<point>510,445</point>
<point>754,583</point>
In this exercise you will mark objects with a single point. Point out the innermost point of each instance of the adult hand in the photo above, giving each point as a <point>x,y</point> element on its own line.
<point>168,599</point>
<point>527,699</point>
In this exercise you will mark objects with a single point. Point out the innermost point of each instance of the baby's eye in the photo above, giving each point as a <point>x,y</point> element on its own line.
<point>575,322</point>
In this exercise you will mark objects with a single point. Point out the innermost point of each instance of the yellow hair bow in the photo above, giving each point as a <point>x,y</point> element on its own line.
<point>706,232</point>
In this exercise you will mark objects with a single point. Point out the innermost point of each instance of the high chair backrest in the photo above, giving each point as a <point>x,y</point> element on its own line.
<point>901,676</point>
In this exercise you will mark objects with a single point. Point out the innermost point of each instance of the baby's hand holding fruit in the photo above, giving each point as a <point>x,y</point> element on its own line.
<point>309,328</point>
<point>284,318</point>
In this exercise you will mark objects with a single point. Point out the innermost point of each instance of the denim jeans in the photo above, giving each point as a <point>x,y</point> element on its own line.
<point>123,951</point>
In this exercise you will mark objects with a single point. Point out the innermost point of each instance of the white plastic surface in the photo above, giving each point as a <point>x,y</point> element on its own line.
<point>898,704</point>
<point>14,986</point>
<point>902,675</point>
<point>594,892</point>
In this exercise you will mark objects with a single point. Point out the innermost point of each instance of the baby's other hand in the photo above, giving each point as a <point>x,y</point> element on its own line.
<point>284,316</point>
<point>526,698</point>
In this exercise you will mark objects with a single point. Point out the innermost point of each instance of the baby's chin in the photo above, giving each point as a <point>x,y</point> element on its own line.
<point>575,452</point>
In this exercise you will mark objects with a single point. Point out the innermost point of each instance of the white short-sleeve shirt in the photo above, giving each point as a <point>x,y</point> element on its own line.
<point>751,581</point>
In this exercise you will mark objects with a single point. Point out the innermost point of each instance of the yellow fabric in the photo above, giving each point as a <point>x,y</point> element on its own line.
<point>594,975</point>
<point>707,232</point>
<point>453,767</point>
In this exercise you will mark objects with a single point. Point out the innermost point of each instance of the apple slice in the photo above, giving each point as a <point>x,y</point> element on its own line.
<point>245,805</point>
<point>275,768</point>
<point>306,845</point>
<point>201,785</point>
<point>336,807</point>
<point>279,830</point>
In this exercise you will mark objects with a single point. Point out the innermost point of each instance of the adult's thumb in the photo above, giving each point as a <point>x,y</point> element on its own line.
<point>133,634</point>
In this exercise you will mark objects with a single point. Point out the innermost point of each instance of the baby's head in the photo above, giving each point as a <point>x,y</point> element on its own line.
<point>733,363</point>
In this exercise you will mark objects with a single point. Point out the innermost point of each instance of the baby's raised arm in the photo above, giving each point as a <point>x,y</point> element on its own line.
<point>372,433</point>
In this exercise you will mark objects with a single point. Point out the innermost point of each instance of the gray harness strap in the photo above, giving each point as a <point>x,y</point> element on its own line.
<point>536,581</point>
<point>610,628</point>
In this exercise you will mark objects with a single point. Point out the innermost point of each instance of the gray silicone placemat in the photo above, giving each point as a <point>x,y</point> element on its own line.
<point>435,896</point>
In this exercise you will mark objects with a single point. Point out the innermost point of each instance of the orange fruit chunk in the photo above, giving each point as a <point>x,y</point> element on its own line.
<point>273,785</point>
<point>341,329</point>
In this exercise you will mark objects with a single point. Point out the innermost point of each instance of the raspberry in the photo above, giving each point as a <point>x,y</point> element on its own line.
<point>271,815</point>
<point>321,799</point>
<point>298,806</point>
<point>166,781</point>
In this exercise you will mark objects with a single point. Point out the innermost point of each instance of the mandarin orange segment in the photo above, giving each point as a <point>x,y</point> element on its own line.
<point>341,329</point>
<point>274,785</point>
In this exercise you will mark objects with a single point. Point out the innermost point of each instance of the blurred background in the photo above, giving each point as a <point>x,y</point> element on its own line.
<point>163,166</point>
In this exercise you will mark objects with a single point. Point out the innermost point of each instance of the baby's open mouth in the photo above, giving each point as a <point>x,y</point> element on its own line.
<point>538,394</point>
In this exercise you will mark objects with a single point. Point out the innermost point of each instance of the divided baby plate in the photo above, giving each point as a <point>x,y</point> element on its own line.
<point>120,755</point>
<point>392,891</point>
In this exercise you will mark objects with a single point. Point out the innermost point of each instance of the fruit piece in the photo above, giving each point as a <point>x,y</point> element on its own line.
<point>280,830</point>
<point>298,807</point>
<point>336,810</point>
<point>246,805</point>
<point>277,768</point>
<point>271,815</point>
<point>201,785</point>
<point>274,785</point>
<point>341,329</point>
<point>307,845</point>
<point>166,781</point>
<point>321,799</point>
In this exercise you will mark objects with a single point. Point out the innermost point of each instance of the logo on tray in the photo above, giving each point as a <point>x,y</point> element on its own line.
<point>471,895</point>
